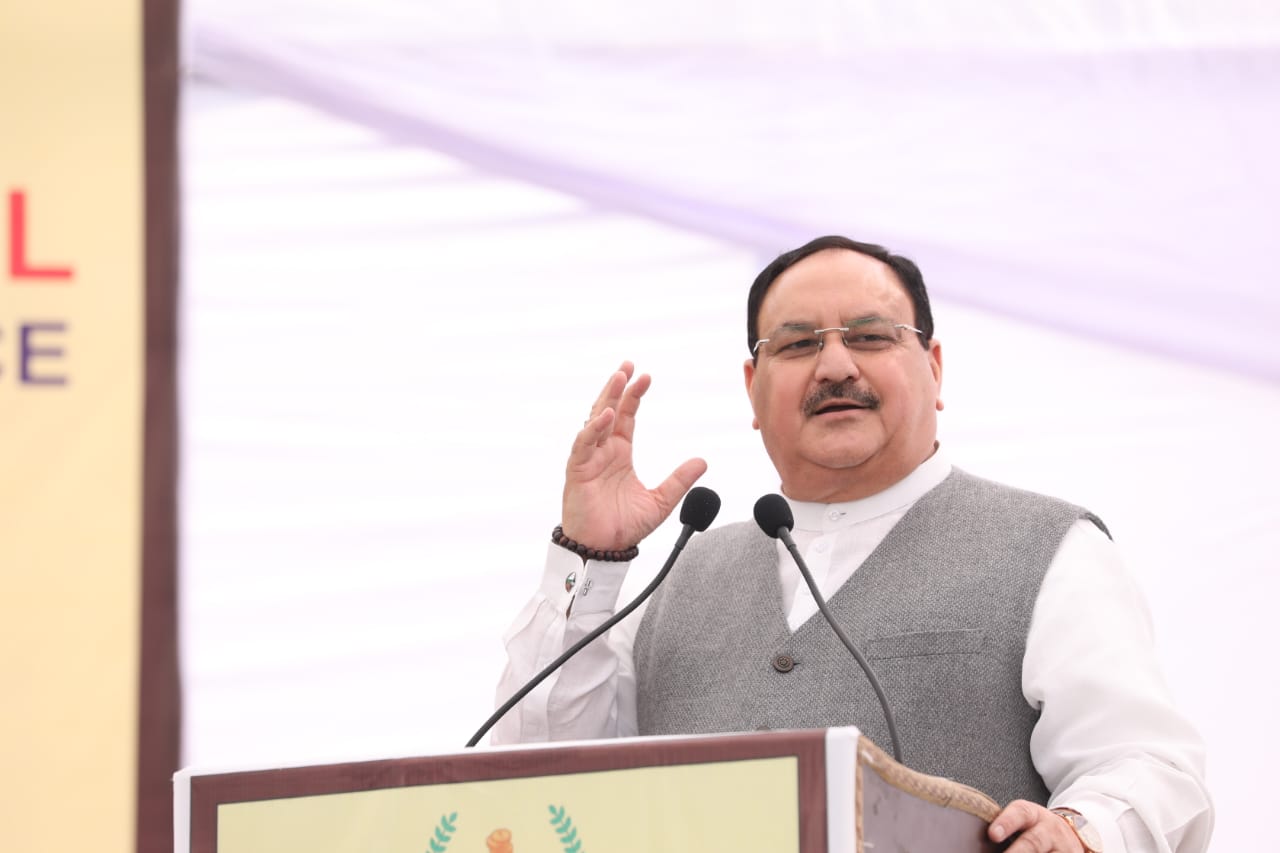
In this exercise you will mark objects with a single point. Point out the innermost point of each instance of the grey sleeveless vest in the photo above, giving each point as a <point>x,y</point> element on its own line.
<point>940,610</point>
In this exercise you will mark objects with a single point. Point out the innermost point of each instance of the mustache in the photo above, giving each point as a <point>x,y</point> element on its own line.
<point>847,391</point>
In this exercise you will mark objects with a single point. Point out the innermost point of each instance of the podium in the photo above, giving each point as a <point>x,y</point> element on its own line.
<point>812,791</point>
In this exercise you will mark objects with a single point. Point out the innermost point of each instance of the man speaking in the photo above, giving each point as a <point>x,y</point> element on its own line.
<point>1011,645</point>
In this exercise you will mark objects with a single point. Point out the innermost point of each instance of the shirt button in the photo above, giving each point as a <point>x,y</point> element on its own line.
<point>820,547</point>
<point>784,663</point>
<point>834,515</point>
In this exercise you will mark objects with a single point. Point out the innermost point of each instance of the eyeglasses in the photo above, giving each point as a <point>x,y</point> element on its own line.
<point>871,334</point>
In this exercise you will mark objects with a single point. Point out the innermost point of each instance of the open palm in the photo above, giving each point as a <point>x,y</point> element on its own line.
<point>605,505</point>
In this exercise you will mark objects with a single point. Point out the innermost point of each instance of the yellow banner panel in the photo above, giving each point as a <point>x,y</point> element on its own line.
<point>71,345</point>
<point>750,805</point>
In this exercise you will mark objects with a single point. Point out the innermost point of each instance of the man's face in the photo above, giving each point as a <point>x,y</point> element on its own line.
<point>842,425</point>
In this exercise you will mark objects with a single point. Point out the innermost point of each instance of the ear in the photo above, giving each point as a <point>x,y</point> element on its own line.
<point>749,377</point>
<point>935,365</point>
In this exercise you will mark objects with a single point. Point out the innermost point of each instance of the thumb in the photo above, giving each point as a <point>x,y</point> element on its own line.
<point>671,490</point>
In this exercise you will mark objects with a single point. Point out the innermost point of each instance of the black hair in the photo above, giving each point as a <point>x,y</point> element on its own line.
<point>904,268</point>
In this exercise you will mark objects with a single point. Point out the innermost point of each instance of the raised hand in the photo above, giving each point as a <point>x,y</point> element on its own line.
<point>605,505</point>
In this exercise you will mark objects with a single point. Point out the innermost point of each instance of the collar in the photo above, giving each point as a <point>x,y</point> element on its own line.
<point>826,518</point>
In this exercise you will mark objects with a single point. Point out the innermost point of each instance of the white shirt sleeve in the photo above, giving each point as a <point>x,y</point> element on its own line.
<point>593,694</point>
<point>1109,742</point>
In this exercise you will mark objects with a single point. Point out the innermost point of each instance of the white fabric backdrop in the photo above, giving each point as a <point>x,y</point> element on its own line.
<point>418,239</point>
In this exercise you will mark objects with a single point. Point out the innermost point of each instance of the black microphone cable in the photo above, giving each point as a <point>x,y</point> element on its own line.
<point>699,509</point>
<point>773,514</point>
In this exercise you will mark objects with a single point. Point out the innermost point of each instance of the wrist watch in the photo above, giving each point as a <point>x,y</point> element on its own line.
<point>1085,831</point>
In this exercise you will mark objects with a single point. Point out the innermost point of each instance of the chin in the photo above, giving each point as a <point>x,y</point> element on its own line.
<point>851,441</point>
<point>841,458</point>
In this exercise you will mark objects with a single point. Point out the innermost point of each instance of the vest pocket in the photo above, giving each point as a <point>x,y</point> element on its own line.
<point>925,643</point>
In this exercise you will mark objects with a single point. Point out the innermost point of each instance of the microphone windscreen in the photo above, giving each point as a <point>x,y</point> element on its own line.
<point>700,508</point>
<point>773,513</point>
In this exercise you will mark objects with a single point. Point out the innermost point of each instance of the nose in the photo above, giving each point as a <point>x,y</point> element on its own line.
<point>835,360</point>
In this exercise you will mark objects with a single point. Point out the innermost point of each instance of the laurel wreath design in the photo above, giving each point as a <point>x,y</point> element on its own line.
<point>444,832</point>
<point>564,827</point>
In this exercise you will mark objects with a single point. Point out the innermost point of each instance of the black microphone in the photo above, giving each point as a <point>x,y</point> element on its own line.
<point>699,509</point>
<point>773,514</point>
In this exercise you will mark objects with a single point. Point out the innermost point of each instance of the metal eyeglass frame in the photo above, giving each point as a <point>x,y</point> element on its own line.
<point>820,334</point>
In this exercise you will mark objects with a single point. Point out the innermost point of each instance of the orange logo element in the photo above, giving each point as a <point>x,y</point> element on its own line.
<point>499,841</point>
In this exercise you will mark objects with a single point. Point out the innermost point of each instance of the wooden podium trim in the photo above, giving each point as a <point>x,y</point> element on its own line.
<point>935,789</point>
<point>926,813</point>
<point>208,792</point>
<point>159,692</point>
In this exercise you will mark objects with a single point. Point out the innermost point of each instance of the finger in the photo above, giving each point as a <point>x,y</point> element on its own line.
<point>594,432</point>
<point>630,404</point>
<point>1046,837</point>
<point>1038,830</point>
<point>613,389</point>
<point>1029,841</point>
<point>1015,817</point>
<point>671,490</point>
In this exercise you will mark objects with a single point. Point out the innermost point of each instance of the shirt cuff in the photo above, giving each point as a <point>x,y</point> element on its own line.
<point>1103,814</point>
<point>592,587</point>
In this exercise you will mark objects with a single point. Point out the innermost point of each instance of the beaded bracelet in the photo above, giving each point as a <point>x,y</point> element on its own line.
<point>558,537</point>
